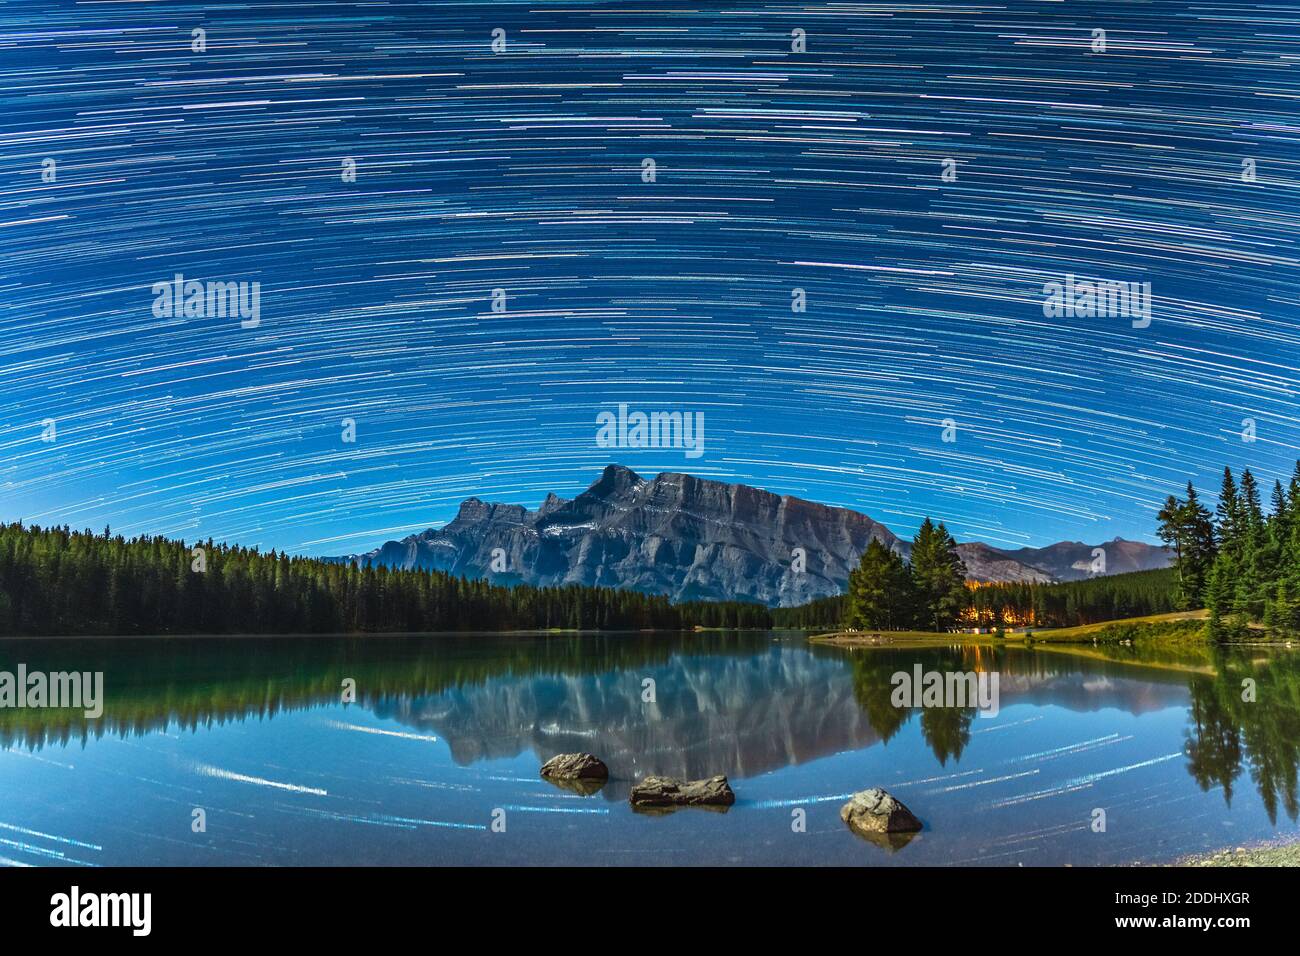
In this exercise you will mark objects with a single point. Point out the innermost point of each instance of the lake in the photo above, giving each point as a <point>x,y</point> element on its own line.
<point>447,733</point>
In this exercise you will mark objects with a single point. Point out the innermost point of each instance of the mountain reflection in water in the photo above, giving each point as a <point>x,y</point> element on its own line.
<point>741,704</point>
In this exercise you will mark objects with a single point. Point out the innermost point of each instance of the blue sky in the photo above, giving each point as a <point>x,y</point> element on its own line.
<point>523,171</point>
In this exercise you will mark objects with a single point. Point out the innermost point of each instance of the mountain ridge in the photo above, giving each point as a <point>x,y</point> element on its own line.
<point>700,539</point>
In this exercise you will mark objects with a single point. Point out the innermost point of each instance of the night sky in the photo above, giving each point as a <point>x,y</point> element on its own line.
<point>522,170</point>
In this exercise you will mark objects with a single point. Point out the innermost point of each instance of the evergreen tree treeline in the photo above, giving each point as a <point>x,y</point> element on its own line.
<point>1242,562</point>
<point>823,613</point>
<point>1250,571</point>
<point>1072,603</point>
<point>54,581</point>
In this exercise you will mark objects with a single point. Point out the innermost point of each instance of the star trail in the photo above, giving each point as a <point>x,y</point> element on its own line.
<point>477,226</point>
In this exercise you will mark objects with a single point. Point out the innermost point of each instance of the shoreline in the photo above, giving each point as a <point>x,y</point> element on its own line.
<point>369,635</point>
<point>1177,628</point>
<point>1283,851</point>
<point>906,639</point>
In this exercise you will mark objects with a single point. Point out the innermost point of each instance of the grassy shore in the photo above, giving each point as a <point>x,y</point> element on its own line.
<point>1188,624</point>
<point>1269,854</point>
<point>1179,627</point>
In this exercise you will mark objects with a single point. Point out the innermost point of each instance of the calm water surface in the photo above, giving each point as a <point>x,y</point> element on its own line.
<point>447,731</point>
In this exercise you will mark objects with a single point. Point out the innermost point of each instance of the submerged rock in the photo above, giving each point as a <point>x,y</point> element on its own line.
<point>665,792</point>
<point>874,812</point>
<point>889,842</point>
<point>582,786</point>
<point>584,767</point>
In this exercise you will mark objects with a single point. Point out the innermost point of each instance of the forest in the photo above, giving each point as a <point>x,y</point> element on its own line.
<point>55,581</point>
<point>1242,562</point>
<point>1071,603</point>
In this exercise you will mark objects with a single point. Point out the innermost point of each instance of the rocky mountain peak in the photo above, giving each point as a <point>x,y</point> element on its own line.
<point>614,481</point>
<point>695,538</point>
<point>473,511</point>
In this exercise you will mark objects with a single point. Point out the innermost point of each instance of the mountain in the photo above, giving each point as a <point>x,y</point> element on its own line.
<point>697,539</point>
<point>986,563</point>
<point>1073,560</point>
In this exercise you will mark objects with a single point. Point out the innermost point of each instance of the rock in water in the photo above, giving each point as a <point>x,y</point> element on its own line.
<point>575,767</point>
<point>666,792</point>
<point>875,811</point>
<point>889,842</point>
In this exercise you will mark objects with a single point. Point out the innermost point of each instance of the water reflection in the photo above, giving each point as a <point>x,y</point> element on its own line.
<point>739,704</point>
<point>1078,683</point>
<point>1247,715</point>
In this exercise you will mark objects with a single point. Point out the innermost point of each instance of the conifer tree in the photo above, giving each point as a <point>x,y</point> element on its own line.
<point>1255,576</point>
<point>881,590</point>
<point>1251,582</point>
<point>940,577</point>
<point>1220,588</point>
<point>1186,527</point>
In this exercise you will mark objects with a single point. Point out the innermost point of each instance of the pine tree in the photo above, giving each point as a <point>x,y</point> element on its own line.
<point>1251,582</point>
<point>1199,549</point>
<point>880,590</point>
<point>1220,588</point>
<point>1218,598</point>
<point>1228,513</point>
<point>1186,527</point>
<point>1173,532</point>
<point>1279,603</point>
<point>940,577</point>
<point>1255,576</point>
<point>1280,518</point>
